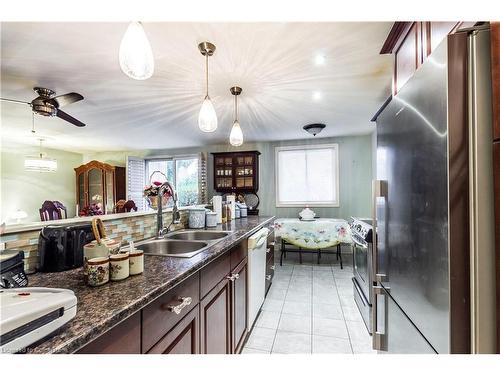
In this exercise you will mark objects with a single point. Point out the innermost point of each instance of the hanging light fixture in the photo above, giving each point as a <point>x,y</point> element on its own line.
<point>136,55</point>
<point>40,163</point>
<point>314,128</point>
<point>207,119</point>
<point>236,136</point>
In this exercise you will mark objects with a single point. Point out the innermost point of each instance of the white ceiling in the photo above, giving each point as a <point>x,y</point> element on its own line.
<point>274,63</point>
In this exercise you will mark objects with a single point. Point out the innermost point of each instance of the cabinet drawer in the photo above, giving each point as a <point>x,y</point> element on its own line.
<point>183,338</point>
<point>213,273</point>
<point>157,317</point>
<point>238,253</point>
<point>124,338</point>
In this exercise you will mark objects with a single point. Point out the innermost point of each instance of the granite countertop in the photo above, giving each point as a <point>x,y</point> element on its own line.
<point>101,308</point>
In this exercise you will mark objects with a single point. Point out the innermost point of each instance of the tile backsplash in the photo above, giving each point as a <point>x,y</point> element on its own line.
<point>134,228</point>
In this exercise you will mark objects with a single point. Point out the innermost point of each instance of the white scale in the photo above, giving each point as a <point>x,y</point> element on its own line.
<point>29,314</point>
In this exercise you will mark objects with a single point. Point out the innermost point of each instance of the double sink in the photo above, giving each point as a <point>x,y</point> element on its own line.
<point>182,244</point>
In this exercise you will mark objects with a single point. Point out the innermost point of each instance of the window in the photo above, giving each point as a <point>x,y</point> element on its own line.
<point>186,173</point>
<point>307,175</point>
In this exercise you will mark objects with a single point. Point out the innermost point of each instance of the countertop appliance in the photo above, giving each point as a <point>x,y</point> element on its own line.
<point>30,314</point>
<point>257,245</point>
<point>362,252</point>
<point>12,269</point>
<point>434,254</point>
<point>60,248</point>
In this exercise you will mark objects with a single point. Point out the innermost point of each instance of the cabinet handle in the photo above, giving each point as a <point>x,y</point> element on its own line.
<point>268,250</point>
<point>184,301</point>
<point>268,277</point>
<point>233,276</point>
<point>271,244</point>
<point>272,267</point>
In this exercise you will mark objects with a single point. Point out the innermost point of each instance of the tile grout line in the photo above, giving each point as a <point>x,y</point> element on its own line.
<point>343,316</point>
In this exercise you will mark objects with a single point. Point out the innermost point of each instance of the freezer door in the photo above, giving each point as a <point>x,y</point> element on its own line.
<point>412,222</point>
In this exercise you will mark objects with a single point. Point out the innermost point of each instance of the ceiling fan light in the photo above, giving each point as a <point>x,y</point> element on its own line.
<point>136,55</point>
<point>236,136</point>
<point>207,119</point>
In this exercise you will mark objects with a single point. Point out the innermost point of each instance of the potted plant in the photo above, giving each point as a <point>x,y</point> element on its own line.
<point>151,194</point>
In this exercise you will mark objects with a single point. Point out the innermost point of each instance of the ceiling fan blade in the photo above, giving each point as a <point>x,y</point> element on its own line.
<point>71,119</point>
<point>14,101</point>
<point>62,100</point>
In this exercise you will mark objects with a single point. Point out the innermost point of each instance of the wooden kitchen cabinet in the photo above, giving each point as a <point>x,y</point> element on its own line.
<point>183,338</point>
<point>101,183</point>
<point>124,338</point>
<point>236,171</point>
<point>412,42</point>
<point>239,305</point>
<point>215,320</point>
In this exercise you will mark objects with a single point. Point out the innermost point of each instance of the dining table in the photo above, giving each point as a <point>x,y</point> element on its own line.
<point>312,235</point>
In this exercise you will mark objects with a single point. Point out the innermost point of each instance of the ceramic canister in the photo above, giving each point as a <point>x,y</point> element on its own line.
<point>118,266</point>
<point>98,271</point>
<point>211,219</point>
<point>136,262</point>
<point>93,250</point>
<point>197,218</point>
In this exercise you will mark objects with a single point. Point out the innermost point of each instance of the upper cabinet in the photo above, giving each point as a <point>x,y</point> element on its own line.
<point>236,171</point>
<point>412,42</point>
<point>99,183</point>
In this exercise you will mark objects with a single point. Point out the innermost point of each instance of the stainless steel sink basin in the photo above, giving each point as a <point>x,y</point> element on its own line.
<point>173,248</point>
<point>197,235</point>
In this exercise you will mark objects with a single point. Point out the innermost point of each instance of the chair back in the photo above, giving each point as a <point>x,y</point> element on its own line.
<point>52,210</point>
<point>125,206</point>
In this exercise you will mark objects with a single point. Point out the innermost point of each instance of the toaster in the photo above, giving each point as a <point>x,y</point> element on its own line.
<point>60,248</point>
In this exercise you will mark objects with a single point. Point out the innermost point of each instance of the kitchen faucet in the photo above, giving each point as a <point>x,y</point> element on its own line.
<point>176,216</point>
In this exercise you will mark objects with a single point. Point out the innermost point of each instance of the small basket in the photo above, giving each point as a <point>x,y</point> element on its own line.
<point>153,200</point>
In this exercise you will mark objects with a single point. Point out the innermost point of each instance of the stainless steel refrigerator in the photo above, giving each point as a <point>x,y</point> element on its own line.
<point>431,200</point>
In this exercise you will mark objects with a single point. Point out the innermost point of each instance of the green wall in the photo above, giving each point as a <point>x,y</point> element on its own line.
<point>26,191</point>
<point>356,159</point>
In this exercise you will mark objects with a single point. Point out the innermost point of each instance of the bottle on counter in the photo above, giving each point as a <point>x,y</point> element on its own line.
<point>224,213</point>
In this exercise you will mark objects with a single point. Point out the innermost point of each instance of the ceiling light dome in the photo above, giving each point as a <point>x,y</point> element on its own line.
<point>136,55</point>
<point>314,128</point>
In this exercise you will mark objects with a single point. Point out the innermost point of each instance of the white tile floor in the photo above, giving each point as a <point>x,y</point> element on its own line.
<point>310,309</point>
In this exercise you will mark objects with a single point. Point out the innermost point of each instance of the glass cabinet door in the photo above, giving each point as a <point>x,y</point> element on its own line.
<point>110,203</point>
<point>96,188</point>
<point>81,191</point>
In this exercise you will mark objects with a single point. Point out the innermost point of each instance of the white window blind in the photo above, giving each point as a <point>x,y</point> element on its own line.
<point>307,175</point>
<point>136,180</point>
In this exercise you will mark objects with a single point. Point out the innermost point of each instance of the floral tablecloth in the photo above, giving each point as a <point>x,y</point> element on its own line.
<point>317,234</point>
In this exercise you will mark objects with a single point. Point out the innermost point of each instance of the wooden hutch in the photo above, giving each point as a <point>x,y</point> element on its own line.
<point>98,182</point>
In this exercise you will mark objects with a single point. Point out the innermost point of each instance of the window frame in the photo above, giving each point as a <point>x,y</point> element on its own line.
<point>336,184</point>
<point>173,158</point>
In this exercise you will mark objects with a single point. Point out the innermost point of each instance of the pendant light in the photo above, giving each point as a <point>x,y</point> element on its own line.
<point>40,163</point>
<point>207,119</point>
<point>236,136</point>
<point>136,55</point>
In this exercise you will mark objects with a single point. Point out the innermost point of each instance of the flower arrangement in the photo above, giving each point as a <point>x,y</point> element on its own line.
<point>151,194</point>
<point>91,210</point>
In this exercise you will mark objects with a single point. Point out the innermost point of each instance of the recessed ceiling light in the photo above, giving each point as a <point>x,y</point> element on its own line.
<point>316,95</point>
<point>319,60</point>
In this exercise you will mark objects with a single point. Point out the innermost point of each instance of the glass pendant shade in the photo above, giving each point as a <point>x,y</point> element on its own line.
<point>136,55</point>
<point>207,119</point>
<point>40,164</point>
<point>236,136</point>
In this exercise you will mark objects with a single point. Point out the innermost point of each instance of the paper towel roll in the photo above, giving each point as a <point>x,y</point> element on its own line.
<point>231,199</point>
<point>217,203</point>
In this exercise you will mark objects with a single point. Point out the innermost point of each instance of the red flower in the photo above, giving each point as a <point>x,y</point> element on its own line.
<point>157,183</point>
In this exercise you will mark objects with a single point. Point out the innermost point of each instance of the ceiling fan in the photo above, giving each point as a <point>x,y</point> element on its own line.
<point>46,104</point>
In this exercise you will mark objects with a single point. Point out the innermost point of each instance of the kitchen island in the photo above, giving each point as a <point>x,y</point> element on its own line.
<point>100,309</point>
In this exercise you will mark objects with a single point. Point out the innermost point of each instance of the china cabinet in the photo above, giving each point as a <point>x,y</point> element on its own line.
<point>236,171</point>
<point>98,182</point>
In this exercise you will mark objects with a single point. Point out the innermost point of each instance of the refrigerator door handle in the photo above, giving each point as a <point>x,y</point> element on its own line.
<point>380,328</point>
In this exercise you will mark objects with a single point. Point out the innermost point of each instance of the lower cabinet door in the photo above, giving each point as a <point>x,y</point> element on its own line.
<point>183,338</point>
<point>239,306</point>
<point>215,320</point>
